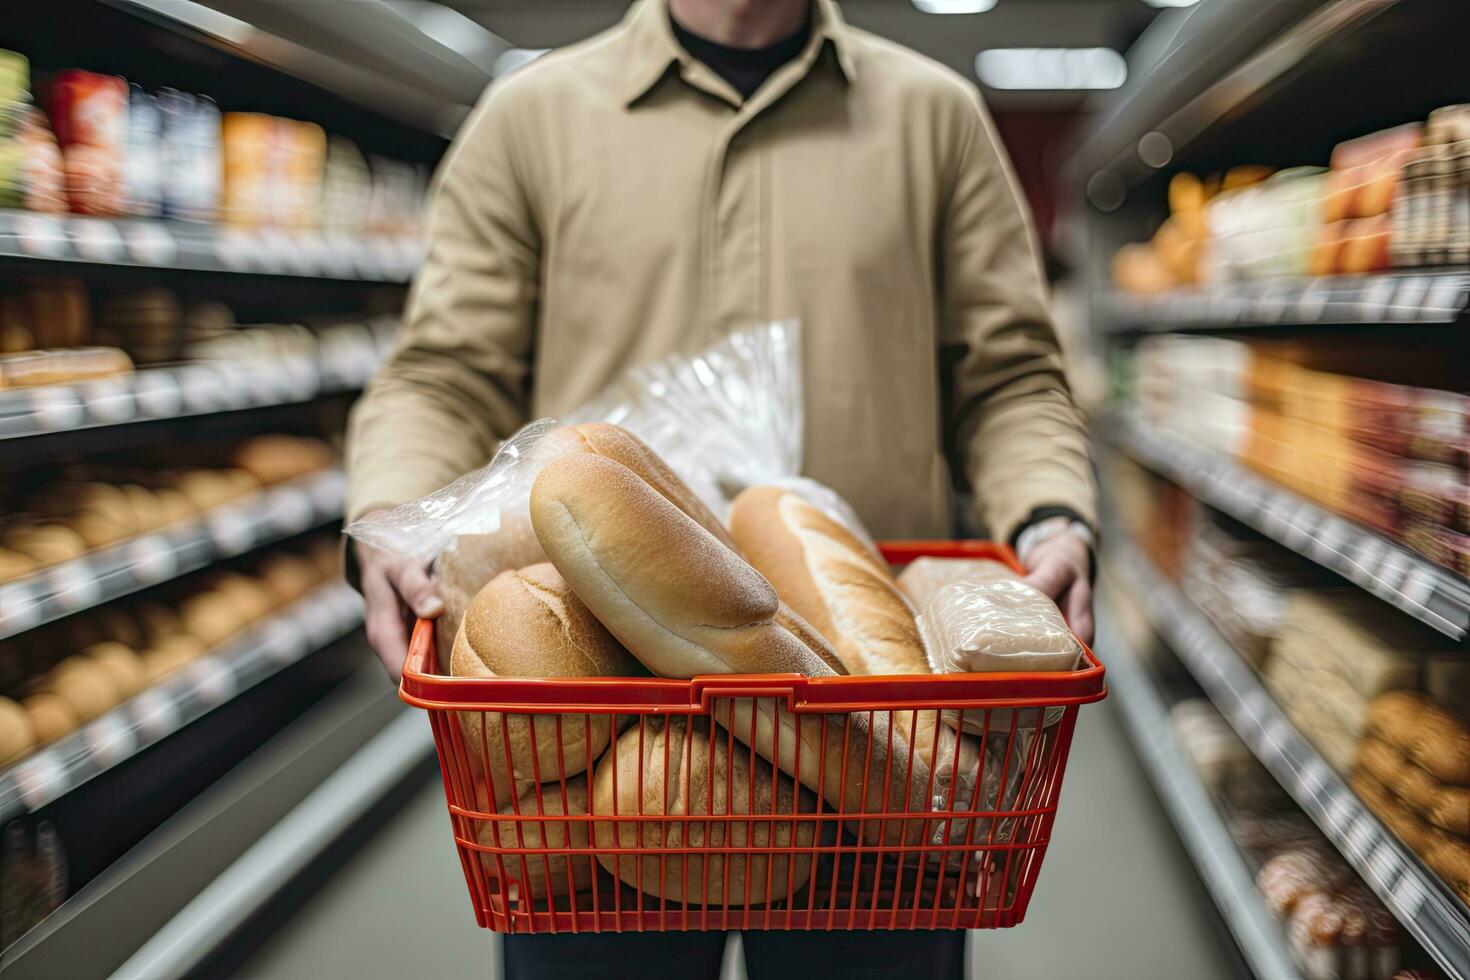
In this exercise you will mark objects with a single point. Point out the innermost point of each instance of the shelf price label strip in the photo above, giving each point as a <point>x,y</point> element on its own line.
<point>1401,297</point>
<point>1413,893</point>
<point>161,244</point>
<point>1414,584</point>
<point>190,389</point>
<point>1198,822</point>
<point>117,570</point>
<point>325,614</point>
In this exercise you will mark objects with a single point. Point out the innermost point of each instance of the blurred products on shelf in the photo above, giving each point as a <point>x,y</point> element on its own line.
<point>1392,456</point>
<point>1399,198</point>
<point>120,151</point>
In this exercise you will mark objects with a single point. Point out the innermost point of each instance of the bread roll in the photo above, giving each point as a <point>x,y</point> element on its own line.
<point>47,544</point>
<point>96,529</point>
<point>287,576</point>
<point>51,716</point>
<point>170,653</point>
<point>16,734</point>
<point>925,576</point>
<point>173,506</point>
<point>123,666</point>
<point>529,623</point>
<point>13,564</point>
<point>685,604</point>
<point>148,511</point>
<point>86,685</point>
<point>210,617</point>
<point>669,767</point>
<point>275,458</point>
<point>115,623</point>
<point>157,619</point>
<point>250,596</point>
<point>474,559</point>
<point>543,875</point>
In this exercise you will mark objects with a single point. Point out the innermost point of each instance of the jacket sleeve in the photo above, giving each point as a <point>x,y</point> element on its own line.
<point>1016,428</point>
<point>456,382</point>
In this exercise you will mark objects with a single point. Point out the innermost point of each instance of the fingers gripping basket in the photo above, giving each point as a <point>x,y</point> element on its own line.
<point>682,826</point>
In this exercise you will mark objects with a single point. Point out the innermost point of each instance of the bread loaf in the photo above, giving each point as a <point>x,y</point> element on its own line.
<point>674,766</point>
<point>529,623</point>
<point>685,604</point>
<point>123,667</point>
<point>542,875</point>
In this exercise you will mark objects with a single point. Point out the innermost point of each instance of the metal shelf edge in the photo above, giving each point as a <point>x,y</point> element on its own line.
<point>1433,595</point>
<point>271,514</point>
<point>1196,819</point>
<point>1417,898</point>
<point>307,625</point>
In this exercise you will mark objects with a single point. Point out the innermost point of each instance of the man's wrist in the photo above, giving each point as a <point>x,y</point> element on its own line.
<point>1045,523</point>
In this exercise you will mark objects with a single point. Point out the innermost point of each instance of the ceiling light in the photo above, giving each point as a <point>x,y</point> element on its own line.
<point>954,6</point>
<point>512,58</point>
<point>1051,69</point>
<point>202,18</point>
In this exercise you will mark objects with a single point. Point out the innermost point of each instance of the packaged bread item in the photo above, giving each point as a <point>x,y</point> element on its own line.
<point>169,653</point>
<point>542,875</point>
<point>923,577</point>
<point>276,458</point>
<point>528,623</point>
<point>1289,877</point>
<point>1421,729</point>
<point>1345,935</point>
<point>210,617</point>
<point>89,112</point>
<point>47,367</point>
<point>678,765</point>
<point>998,626</point>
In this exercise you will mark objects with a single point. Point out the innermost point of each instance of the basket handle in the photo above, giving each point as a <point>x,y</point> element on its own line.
<point>705,688</point>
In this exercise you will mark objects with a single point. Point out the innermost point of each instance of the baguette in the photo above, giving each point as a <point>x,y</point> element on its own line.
<point>830,578</point>
<point>674,766</point>
<point>685,604</point>
<point>528,623</point>
<point>541,875</point>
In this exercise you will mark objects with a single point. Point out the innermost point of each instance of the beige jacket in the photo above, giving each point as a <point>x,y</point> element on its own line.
<point>615,201</point>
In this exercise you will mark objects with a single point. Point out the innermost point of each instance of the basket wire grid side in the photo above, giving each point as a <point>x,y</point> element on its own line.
<point>966,864</point>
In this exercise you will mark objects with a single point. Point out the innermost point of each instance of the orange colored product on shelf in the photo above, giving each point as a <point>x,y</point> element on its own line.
<point>248,144</point>
<point>89,112</point>
<point>1367,246</point>
<point>16,733</point>
<point>48,367</point>
<point>1326,258</point>
<point>1365,171</point>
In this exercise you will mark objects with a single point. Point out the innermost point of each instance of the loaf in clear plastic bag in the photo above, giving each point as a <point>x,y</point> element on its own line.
<point>988,625</point>
<point>723,419</point>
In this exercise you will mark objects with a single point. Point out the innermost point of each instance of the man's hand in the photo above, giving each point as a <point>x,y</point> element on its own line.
<point>395,589</point>
<point>1058,566</point>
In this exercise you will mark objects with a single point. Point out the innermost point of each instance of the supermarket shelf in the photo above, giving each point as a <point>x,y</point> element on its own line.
<point>156,244</point>
<point>1426,297</point>
<point>1417,897</point>
<point>323,615</point>
<point>1200,827</point>
<point>231,529</point>
<point>344,360</point>
<point>1424,590</point>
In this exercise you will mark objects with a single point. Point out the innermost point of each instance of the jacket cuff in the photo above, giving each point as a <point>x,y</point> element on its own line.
<point>1047,512</point>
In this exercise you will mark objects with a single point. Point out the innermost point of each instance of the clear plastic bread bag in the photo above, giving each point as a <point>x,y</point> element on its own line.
<point>986,625</point>
<point>728,417</point>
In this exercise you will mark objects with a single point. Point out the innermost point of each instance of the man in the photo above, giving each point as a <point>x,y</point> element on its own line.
<point>704,165</point>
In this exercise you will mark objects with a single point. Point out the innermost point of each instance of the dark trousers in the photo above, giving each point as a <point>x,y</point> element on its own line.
<point>918,955</point>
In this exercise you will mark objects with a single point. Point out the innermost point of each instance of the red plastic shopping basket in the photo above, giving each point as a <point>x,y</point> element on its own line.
<point>536,862</point>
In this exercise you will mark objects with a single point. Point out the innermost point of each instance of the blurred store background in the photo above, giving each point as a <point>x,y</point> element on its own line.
<point>1256,218</point>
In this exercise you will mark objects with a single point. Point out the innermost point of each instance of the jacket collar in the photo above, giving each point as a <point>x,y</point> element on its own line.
<point>650,48</point>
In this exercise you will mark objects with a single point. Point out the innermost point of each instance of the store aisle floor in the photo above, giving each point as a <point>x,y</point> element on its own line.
<point>398,908</point>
